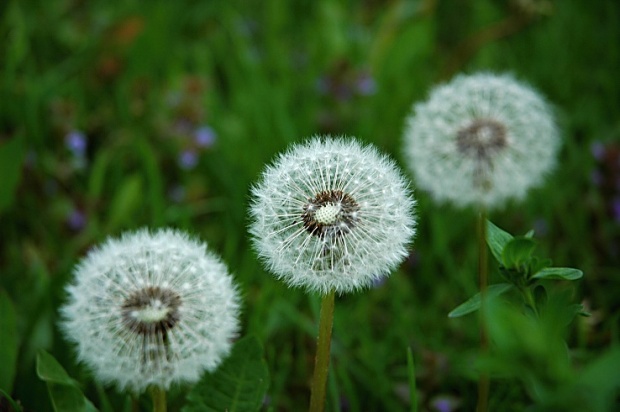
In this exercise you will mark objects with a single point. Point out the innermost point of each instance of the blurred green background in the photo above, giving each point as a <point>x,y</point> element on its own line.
<point>118,115</point>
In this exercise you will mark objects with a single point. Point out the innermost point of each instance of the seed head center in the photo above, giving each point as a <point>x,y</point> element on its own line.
<point>327,214</point>
<point>481,138</point>
<point>152,310</point>
<point>330,213</point>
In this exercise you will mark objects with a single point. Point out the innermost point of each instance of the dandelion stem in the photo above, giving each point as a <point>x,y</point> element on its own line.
<point>159,399</point>
<point>483,381</point>
<point>321,363</point>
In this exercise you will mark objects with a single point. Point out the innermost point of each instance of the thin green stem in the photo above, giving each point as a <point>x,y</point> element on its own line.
<point>529,299</point>
<point>483,381</point>
<point>321,363</point>
<point>159,399</point>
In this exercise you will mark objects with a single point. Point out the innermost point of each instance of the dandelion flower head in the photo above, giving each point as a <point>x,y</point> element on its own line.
<point>480,140</point>
<point>150,309</point>
<point>332,214</point>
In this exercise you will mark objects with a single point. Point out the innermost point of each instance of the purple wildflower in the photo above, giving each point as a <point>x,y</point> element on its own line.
<point>188,159</point>
<point>615,208</point>
<point>76,143</point>
<point>598,150</point>
<point>366,85</point>
<point>76,220</point>
<point>204,136</point>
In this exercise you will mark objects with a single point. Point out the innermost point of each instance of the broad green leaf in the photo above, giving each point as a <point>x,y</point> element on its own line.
<point>238,385</point>
<point>8,348</point>
<point>125,203</point>
<point>558,273</point>
<point>517,251</point>
<point>11,156</point>
<point>497,240</point>
<point>65,394</point>
<point>473,304</point>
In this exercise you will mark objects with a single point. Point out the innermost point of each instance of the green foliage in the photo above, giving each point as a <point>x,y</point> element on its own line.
<point>473,303</point>
<point>8,348</point>
<point>238,385</point>
<point>11,157</point>
<point>65,393</point>
<point>132,77</point>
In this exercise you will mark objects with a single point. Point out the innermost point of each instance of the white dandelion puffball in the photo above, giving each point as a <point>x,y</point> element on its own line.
<point>331,214</point>
<point>150,309</point>
<point>480,140</point>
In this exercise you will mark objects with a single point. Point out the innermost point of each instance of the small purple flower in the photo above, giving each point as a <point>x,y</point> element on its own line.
<point>598,150</point>
<point>615,209</point>
<point>204,136</point>
<point>76,220</point>
<point>444,403</point>
<point>366,85</point>
<point>188,159</point>
<point>76,143</point>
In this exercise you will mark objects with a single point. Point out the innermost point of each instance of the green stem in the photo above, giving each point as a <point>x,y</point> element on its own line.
<point>321,363</point>
<point>159,399</point>
<point>483,381</point>
<point>529,299</point>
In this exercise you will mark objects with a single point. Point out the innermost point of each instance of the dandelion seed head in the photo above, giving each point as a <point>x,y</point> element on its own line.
<point>331,214</point>
<point>151,309</point>
<point>481,140</point>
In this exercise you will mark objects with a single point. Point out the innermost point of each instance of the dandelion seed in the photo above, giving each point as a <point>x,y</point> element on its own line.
<point>331,214</point>
<point>151,309</point>
<point>481,140</point>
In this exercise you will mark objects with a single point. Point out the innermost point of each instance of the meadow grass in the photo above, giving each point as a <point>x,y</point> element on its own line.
<point>137,79</point>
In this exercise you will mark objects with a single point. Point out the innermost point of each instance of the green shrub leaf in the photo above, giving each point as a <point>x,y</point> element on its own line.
<point>497,240</point>
<point>65,394</point>
<point>559,273</point>
<point>473,304</point>
<point>517,252</point>
<point>238,385</point>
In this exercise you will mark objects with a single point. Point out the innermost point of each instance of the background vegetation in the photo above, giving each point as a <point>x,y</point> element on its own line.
<point>118,115</point>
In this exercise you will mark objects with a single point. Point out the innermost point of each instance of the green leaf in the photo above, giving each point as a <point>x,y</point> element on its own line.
<point>238,385</point>
<point>413,392</point>
<point>558,273</point>
<point>497,240</point>
<point>125,202</point>
<point>8,348</point>
<point>65,394</point>
<point>11,154</point>
<point>473,304</point>
<point>517,252</point>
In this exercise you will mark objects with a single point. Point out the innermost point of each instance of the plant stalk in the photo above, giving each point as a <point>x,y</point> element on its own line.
<point>159,399</point>
<point>483,381</point>
<point>321,362</point>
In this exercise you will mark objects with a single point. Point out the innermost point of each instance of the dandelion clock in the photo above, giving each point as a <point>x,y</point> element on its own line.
<point>331,216</point>
<point>150,309</point>
<point>480,140</point>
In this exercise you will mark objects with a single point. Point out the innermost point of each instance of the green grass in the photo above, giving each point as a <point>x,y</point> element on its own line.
<point>126,74</point>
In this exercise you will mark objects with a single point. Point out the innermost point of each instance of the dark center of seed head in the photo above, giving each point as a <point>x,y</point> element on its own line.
<point>151,311</point>
<point>330,213</point>
<point>482,138</point>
